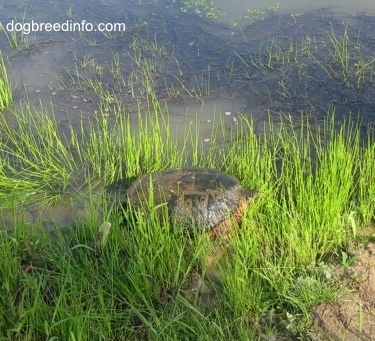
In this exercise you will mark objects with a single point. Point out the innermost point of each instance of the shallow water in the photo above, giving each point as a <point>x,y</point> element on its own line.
<point>38,65</point>
<point>46,67</point>
<point>236,9</point>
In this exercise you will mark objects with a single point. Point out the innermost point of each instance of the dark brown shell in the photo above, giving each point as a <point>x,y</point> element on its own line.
<point>196,197</point>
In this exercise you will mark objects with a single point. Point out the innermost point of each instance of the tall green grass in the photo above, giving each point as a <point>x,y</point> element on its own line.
<point>41,164</point>
<point>58,285</point>
<point>5,88</point>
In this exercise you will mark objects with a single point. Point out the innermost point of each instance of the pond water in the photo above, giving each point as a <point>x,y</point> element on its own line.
<point>43,61</point>
<point>208,63</point>
<point>238,9</point>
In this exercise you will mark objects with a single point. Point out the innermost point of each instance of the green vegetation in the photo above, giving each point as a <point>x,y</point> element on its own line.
<point>202,8</point>
<point>338,60</point>
<point>39,165</point>
<point>5,88</point>
<point>102,279</point>
<point>18,40</point>
<point>132,284</point>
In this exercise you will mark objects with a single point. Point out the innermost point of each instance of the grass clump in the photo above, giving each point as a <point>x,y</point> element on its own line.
<point>40,164</point>
<point>5,89</point>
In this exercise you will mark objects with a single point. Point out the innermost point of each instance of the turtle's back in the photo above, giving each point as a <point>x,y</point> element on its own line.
<point>196,197</point>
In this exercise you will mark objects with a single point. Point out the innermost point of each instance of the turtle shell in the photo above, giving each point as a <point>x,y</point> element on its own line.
<point>196,197</point>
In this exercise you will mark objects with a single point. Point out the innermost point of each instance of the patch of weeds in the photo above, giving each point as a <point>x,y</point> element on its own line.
<point>258,13</point>
<point>202,8</point>
<point>346,260</point>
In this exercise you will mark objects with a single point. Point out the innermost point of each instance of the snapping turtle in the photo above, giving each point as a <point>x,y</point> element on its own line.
<point>196,197</point>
